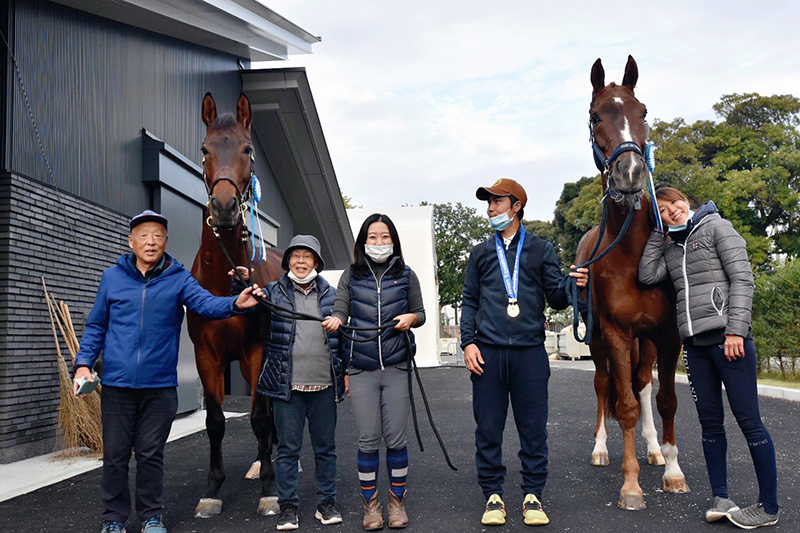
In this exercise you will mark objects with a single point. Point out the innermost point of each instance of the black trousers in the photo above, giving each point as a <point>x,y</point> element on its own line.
<point>140,420</point>
<point>520,374</point>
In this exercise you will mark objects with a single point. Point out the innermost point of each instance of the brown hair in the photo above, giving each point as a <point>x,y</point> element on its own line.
<point>670,194</point>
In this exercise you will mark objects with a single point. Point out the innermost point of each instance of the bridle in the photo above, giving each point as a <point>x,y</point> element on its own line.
<point>243,196</point>
<point>603,164</point>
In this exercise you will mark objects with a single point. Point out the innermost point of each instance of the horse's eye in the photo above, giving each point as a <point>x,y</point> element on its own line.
<point>248,150</point>
<point>644,115</point>
<point>595,118</point>
<point>203,150</point>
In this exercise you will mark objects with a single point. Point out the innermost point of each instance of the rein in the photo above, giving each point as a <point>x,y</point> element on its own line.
<point>292,314</point>
<point>587,339</point>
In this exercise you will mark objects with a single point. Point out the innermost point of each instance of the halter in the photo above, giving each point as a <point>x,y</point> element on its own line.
<point>603,165</point>
<point>242,195</point>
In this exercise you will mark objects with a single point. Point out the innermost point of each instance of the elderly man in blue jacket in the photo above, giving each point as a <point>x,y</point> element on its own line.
<point>136,323</point>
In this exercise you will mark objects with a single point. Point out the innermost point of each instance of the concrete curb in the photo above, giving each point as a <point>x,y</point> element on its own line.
<point>32,474</point>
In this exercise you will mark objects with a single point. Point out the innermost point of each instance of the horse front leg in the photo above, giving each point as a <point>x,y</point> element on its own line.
<point>601,382</point>
<point>214,386</point>
<point>261,422</point>
<point>631,496</point>
<point>647,352</point>
<point>667,402</point>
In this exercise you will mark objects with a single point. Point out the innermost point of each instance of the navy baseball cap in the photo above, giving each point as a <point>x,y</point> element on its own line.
<point>147,216</point>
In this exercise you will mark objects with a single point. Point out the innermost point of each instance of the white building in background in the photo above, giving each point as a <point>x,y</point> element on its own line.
<point>415,228</point>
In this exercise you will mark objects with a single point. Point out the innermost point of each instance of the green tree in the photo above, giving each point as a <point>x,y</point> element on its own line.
<point>577,210</point>
<point>776,317</point>
<point>749,164</point>
<point>457,229</point>
<point>348,201</point>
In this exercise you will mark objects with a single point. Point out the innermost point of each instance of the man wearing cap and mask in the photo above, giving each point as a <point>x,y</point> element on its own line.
<point>303,373</point>
<point>508,279</point>
<point>136,323</point>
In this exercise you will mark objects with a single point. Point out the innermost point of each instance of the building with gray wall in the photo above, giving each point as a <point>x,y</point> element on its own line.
<point>100,119</point>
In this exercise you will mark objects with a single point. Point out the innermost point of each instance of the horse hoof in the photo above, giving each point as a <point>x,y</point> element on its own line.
<point>631,501</point>
<point>655,458</point>
<point>600,459</point>
<point>254,472</point>
<point>676,485</point>
<point>208,507</point>
<point>268,505</point>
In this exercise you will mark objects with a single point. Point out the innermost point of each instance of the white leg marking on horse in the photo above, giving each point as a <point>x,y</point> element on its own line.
<point>601,438</point>
<point>672,470</point>
<point>648,425</point>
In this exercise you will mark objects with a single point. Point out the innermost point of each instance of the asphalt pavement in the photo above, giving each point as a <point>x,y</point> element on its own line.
<point>578,496</point>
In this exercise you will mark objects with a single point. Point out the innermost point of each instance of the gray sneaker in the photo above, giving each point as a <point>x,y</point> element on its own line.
<point>753,517</point>
<point>720,508</point>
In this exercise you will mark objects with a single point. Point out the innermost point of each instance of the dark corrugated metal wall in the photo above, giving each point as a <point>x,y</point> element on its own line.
<point>93,84</point>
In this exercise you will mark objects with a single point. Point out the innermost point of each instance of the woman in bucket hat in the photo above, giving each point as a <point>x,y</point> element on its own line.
<point>303,373</point>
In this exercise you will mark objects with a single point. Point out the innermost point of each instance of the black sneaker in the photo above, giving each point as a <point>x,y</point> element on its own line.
<point>288,518</point>
<point>328,512</point>
<point>110,526</point>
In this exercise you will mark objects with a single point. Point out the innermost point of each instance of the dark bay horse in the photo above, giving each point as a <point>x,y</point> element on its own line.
<point>634,325</point>
<point>228,160</point>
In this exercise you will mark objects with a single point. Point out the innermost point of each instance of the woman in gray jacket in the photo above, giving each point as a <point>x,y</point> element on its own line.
<point>707,261</point>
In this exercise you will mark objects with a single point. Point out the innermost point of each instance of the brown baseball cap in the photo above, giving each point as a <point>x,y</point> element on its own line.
<point>503,187</point>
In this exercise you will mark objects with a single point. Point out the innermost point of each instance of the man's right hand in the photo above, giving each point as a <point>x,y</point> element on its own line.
<point>81,372</point>
<point>473,359</point>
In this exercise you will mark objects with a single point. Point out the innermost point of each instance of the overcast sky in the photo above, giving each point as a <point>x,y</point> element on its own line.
<point>428,100</point>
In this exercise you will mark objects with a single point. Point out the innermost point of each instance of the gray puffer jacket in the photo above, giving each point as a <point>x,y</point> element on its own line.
<point>710,271</point>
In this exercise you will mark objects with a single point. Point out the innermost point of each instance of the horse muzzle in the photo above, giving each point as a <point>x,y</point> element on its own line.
<point>629,173</point>
<point>224,213</point>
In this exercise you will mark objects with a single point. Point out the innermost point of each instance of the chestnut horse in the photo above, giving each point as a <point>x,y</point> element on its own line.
<point>228,160</point>
<point>634,325</point>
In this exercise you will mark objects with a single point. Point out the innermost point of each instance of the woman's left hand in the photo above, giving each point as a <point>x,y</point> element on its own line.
<point>734,347</point>
<point>404,322</point>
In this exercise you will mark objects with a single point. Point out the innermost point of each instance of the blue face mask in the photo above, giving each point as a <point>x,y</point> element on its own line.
<point>682,227</point>
<point>501,221</point>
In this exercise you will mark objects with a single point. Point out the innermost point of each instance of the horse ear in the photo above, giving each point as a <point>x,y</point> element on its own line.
<point>244,114</point>
<point>209,112</point>
<point>631,74</point>
<point>598,75</point>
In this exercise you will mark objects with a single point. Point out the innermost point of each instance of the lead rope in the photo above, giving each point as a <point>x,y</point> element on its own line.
<point>413,364</point>
<point>587,339</point>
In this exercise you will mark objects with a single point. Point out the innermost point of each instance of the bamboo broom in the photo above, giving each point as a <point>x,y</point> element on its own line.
<point>78,418</point>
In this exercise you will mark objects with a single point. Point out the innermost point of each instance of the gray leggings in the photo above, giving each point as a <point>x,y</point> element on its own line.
<point>381,406</point>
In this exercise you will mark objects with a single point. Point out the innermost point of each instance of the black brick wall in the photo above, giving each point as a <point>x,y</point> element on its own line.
<point>35,241</point>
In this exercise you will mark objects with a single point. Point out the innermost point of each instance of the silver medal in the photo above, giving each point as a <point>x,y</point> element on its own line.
<point>513,310</point>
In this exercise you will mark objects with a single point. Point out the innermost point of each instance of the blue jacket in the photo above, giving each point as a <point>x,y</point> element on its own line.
<point>370,306</point>
<point>484,301</point>
<point>276,374</point>
<point>136,323</point>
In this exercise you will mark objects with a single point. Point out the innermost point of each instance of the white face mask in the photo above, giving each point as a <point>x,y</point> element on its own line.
<point>302,281</point>
<point>379,253</point>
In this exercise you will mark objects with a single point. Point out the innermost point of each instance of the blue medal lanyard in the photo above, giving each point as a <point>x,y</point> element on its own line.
<point>511,280</point>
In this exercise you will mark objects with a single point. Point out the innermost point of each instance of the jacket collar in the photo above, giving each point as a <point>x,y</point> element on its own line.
<point>165,267</point>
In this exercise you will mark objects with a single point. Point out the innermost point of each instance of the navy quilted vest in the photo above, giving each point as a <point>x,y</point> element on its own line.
<point>369,307</point>
<point>275,379</point>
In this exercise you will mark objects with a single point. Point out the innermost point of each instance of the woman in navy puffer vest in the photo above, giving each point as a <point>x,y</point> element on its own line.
<point>303,373</point>
<point>377,289</point>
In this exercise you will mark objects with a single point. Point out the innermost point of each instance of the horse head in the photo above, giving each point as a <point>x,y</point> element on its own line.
<point>619,131</point>
<point>228,160</point>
